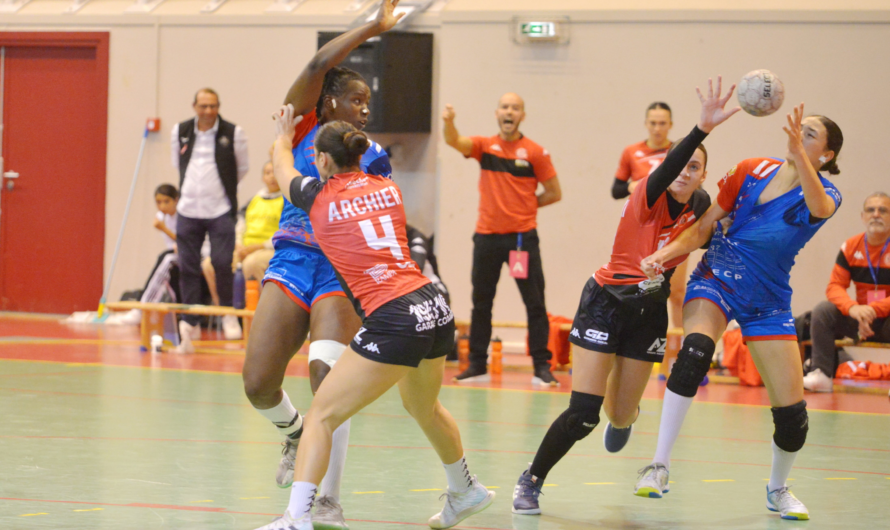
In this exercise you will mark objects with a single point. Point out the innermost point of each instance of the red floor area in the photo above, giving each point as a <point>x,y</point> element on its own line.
<point>53,341</point>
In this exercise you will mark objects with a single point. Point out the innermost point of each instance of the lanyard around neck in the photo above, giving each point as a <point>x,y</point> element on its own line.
<point>871,269</point>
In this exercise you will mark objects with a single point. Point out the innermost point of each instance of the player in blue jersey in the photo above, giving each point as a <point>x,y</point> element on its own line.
<point>301,293</point>
<point>768,208</point>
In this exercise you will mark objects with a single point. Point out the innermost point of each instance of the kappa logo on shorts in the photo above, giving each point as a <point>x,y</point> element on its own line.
<point>372,347</point>
<point>596,337</point>
<point>575,333</point>
<point>431,313</point>
<point>358,335</point>
<point>657,347</point>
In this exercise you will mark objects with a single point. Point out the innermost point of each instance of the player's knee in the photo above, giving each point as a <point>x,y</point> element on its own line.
<point>792,425</point>
<point>257,388</point>
<point>693,363</point>
<point>582,416</point>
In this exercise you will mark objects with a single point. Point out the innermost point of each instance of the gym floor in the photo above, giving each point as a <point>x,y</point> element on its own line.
<point>97,435</point>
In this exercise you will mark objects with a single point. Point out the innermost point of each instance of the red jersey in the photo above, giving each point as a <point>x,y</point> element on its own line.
<point>508,184</point>
<point>359,223</point>
<point>639,160</point>
<point>642,231</point>
<point>852,264</point>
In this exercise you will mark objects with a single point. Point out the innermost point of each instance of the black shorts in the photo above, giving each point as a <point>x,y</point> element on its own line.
<point>407,330</point>
<point>606,325</point>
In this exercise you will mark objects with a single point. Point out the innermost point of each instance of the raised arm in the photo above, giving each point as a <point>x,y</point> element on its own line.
<point>712,115</point>
<point>818,202</point>
<point>453,138</point>
<point>304,92</point>
<point>283,156</point>
<point>690,239</point>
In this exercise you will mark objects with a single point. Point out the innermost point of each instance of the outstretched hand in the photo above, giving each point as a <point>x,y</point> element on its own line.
<point>712,106</point>
<point>794,130</point>
<point>386,17</point>
<point>285,121</point>
<point>448,113</point>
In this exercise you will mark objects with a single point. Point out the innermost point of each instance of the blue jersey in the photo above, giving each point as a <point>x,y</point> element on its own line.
<point>294,225</point>
<point>752,261</point>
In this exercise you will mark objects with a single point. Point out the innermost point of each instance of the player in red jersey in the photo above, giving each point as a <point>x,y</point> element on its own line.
<point>621,322</point>
<point>407,327</point>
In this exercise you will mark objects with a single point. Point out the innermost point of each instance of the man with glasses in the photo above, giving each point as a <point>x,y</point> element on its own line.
<point>863,259</point>
<point>211,156</point>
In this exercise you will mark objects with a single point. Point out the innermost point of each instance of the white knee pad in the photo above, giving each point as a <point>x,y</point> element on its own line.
<point>326,351</point>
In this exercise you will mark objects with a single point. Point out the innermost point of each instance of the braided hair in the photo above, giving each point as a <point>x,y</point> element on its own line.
<point>335,83</point>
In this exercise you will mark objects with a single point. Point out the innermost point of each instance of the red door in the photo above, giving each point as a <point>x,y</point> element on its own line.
<point>52,193</point>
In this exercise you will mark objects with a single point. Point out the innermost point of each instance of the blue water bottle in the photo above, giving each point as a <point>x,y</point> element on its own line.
<point>238,289</point>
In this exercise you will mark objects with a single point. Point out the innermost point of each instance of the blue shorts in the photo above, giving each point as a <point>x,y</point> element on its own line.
<point>303,273</point>
<point>756,323</point>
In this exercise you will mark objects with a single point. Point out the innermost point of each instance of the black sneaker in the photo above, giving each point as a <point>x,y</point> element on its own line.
<point>615,439</point>
<point>543,376</point>
<point>525,495</point>
<point>473,374</point>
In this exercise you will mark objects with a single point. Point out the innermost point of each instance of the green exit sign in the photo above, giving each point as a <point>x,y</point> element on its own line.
<point>537,30</point>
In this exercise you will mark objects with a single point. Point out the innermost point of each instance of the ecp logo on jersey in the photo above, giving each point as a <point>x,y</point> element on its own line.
<point>357,183</point>
<point>596,337</point>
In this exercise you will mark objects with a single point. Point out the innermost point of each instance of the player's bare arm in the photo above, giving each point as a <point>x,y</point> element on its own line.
<point>552,192</point>
<point>818,202</point>
<point>283,156</point>
<point>453,138</point>
<point>692,238</point>
<point>304,92</point>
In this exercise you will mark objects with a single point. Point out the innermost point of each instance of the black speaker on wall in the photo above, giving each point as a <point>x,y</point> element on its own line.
<point>399,70</point>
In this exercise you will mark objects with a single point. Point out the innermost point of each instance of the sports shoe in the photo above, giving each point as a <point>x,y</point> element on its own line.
<point>614,439</point>
<point>784,502</point>
<point>817,381</point>
<point>653,482</point>
<point>525,495</point>
<point>543,376</point>
<point>473,375</point>
<point>284,477</point>
<point>187,333</point>
<point>328,514</point>
<point>287,522</point>
<point>231,328</point>
<point>459,506</point>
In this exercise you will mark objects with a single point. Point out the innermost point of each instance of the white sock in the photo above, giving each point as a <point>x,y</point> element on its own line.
<point>459,479</point>
<point>330,486</point>
<point>284,416</point>
<point>673,412</point>
<point>782,463</point>
<point>301,496</point>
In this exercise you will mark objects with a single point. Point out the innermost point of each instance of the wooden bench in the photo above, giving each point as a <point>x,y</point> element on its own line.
<point>153,316</point>
<point>878,352</point>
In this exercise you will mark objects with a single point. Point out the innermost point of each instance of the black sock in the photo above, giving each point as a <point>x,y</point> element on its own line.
<point>572,425</point>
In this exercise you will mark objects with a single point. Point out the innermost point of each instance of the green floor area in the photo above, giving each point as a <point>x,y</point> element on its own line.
<point>92,447</point>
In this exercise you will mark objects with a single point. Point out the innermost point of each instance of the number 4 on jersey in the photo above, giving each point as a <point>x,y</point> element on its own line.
<point>388,240</point>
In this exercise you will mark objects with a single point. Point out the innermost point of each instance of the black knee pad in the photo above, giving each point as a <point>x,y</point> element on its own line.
<point>582,416</point>
<point>792,425</point>
<point>693,363</point>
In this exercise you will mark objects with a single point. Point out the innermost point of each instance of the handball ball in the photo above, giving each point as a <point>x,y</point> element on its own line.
<point>761,93</point>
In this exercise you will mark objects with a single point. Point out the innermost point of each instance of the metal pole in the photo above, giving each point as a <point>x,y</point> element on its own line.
<point>120,235</point>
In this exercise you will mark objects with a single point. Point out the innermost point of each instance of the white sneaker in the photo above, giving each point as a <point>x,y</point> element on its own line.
<point>328,515</point>
<point>816,381</point>
<point>459,506</point>
<point>653,482</point>
<point>286,522</point>
<point>231,327</point>
<point>187,332</point>
<point>284,476</point>
<point>784,502</point>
